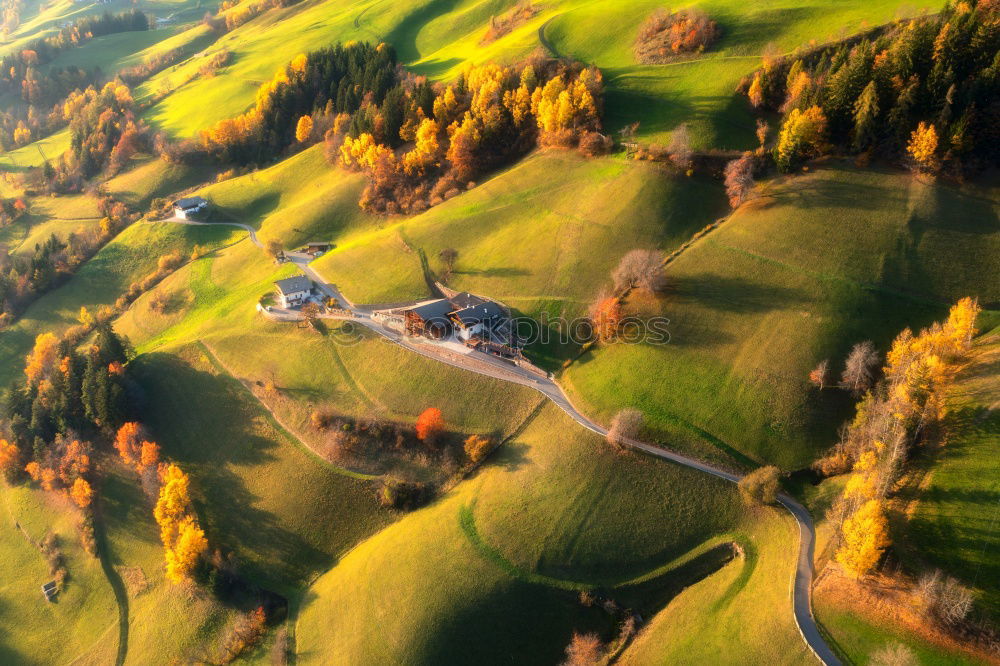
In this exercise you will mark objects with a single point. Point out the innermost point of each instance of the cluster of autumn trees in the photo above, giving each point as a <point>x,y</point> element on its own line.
<point>666,34</point>
<point>23,73</point>
<point>926,88</point>
<point>322,85</point>
<point>490,116</point>
<point>896,414</point>
<point>68,396</point>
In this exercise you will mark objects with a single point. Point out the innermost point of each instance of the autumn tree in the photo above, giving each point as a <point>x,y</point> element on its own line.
<point>477,447</point>
<point>760,486</point>
<point>756,92</point>
<point>10,460</point>
<point>626,425</point>
<point>739,179</point>
<point>275,249</point>
<point>923,145</point>
<point>42,357</point>
<point>944,598</point>
<point>894,654</point>
<point>430,425</point>
<point>820,375</point>
<point>82,493</point>
<point>865,537</point>
<point>858,374</point>
<point>128,442</point>
<point>183,539</point>
<point>801,136</point>
<point>639,269</point>
<point>448,257</point>
<point>584,650</point>
<point>605,318</point>
<point>679,148</point>
<point>303,129</point>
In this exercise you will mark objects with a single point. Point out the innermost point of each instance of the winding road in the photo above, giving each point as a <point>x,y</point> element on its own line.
<point>801,583</point>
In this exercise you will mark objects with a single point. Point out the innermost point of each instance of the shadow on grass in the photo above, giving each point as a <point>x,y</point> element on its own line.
<point>202,421</point>
<point>534,616</point>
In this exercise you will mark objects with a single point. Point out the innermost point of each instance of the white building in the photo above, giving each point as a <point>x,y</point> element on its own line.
<point>293,291</point>
<point>190,208</point>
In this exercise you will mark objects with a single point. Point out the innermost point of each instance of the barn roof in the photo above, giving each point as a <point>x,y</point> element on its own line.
<point>477,313</point>
<point>294,284</point>
<point>433,310</point>
<point>191,202</point>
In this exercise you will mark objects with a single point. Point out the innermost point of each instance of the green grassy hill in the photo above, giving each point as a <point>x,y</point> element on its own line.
<point>509,549</point>
<point>816,264</point>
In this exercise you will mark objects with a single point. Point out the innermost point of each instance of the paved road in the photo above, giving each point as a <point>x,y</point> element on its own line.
<point>801,584</point>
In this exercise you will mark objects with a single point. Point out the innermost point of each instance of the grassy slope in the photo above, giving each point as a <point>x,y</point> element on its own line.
<point>554,511</point>
<point>83,622</point>
<point>130,256</point>
<point>260,494</point>
<point>167,622</point>
<point>817,264</point>
<point>955,523</point>
<point>542,236</point>
<point>709,622</point>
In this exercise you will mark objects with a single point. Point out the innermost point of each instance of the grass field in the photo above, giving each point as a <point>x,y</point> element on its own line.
<point>818,263</point>
<point>510,547</point>
<point>82,623</point>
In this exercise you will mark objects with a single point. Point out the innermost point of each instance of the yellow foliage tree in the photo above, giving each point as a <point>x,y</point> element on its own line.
<point>303,129</point>
<point>9,458</point>
<point>42,357</point>
<point>81,493</point>
<point>187,549</point>
<point>756,92</point>
<point>801,135</point>
<point>866,536</point>
<point>183,539</point>
<point>923,145</point>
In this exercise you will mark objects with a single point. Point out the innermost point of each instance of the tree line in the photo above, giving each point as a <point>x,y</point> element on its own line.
<point>924,89</point>
<point>490,116</point>
<point>333,80</point>
<point>898,413</point>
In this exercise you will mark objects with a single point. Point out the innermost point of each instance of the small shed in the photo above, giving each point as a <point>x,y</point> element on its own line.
<point>49,590</point>
<point>316,249</point>
<point>190,208</point>
<point>293,291</point>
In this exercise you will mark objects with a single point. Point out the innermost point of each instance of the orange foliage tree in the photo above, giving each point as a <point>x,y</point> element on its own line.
<point>606,317</point>
<point>10,459</point>
<point>430,424</point>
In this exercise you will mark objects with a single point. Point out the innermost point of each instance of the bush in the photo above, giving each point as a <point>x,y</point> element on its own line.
<point>400,494</point>
<point>760,486</point>
<point>477,448</point>
<point>626,425</point>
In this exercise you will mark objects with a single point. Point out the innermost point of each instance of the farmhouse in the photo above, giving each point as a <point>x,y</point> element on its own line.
<point>190,208</point>
<point>293,291</point>
<point>479,323</point>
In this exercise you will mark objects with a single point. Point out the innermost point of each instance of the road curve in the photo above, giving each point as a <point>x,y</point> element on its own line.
<point>801,584</point>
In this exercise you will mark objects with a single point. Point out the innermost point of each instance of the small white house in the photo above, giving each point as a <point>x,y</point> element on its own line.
<point>190,208</point>
<point>475,319</point>
<point>293,291</point>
